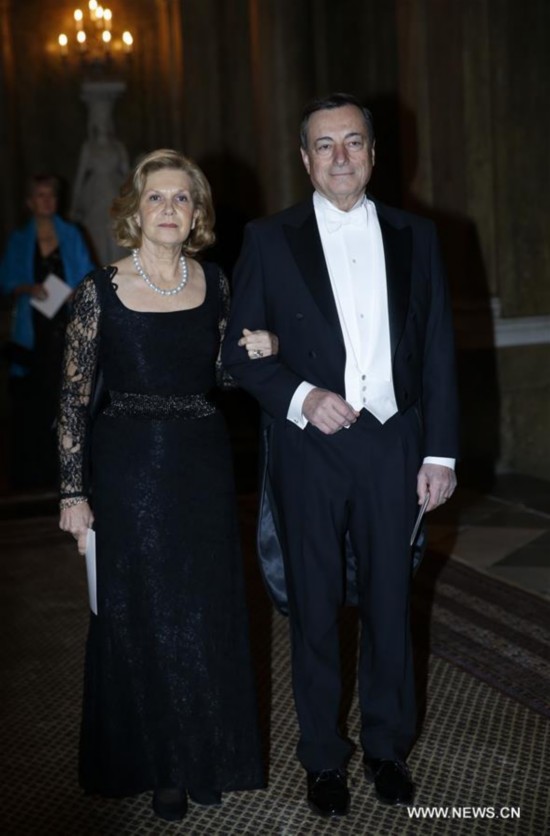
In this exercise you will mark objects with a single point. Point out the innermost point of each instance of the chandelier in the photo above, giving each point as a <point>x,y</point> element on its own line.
<point>94,40</point>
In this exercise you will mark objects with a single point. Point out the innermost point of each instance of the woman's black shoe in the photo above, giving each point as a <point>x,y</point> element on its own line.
<point>206,798</point>
<point>170,803</point>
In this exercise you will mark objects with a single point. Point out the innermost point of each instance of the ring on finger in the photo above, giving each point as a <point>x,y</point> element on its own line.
<point>257,353</point>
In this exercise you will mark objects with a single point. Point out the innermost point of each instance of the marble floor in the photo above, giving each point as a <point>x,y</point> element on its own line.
<point>504,532</point>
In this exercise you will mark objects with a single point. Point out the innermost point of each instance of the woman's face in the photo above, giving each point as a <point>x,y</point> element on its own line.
<point>43,201</point>
<point>166,209</point>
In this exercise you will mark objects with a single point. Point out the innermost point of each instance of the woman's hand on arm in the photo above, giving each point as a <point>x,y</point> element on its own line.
<point>259,344</point>
<point>76,520</point>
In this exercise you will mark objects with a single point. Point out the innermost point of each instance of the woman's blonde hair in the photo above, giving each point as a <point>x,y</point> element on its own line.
<point>126,206</point>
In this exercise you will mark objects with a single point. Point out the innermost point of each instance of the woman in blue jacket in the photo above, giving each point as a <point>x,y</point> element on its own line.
<point>46,244</point>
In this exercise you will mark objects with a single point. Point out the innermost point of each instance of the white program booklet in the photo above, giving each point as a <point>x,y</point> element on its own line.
<point>58,292</point>
<point>419,519</point>
<point>91,570</point>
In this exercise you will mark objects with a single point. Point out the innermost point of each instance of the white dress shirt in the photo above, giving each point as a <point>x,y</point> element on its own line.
<point>354,254</point>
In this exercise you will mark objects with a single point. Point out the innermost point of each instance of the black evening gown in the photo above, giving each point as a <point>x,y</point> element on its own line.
<point>168,695</point>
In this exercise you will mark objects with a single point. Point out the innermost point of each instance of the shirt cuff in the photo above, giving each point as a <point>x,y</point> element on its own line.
<point>294,413</point>
<point>440,460</point>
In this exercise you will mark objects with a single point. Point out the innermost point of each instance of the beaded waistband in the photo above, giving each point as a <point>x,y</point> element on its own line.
<point>159,407</point>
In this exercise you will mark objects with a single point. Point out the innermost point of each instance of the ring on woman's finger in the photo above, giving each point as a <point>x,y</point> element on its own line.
<point>257,353</point>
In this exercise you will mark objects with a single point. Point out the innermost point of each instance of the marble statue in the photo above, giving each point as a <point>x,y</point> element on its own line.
<point>102,167</point>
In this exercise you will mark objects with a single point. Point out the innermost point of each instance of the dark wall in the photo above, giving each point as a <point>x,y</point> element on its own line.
<point>458,89</point>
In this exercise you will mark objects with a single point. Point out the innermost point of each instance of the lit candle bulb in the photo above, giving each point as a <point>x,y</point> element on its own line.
<point>107,18</point>
<point>81,38</point>
<point>78,19</point>
<point>127,40</point>
<point>106,37</point>
<point>99,12</point>
<point>63,42</point>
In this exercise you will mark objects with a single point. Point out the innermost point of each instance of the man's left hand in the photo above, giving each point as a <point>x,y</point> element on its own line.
<point>437,480</point>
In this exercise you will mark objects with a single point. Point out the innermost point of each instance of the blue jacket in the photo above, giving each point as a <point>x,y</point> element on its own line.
<point>17,268</point>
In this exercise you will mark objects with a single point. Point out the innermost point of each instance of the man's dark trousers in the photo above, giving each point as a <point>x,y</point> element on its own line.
<point>361,480</point>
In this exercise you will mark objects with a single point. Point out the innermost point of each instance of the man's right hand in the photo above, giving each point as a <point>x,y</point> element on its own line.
<point>328,411</point>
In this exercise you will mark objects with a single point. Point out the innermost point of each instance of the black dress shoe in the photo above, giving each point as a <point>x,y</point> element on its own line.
<point>206,798</point>
<point>170,803</point>
<point>327,792</point>
<point>392,780</point>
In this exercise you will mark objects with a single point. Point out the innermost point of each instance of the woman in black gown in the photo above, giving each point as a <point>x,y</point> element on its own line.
<point>168,698</point>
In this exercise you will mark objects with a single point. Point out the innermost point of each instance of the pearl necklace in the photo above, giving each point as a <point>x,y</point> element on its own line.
<point>184,276</point>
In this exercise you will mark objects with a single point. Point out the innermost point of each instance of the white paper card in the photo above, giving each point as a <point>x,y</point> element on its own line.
<point>58,292</point>
<point>91,571</point>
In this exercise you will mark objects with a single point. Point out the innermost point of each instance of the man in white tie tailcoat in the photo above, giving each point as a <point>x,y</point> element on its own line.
<point>359,423</point>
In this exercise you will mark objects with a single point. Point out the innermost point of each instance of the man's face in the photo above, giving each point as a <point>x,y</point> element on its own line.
<point>338,158</point>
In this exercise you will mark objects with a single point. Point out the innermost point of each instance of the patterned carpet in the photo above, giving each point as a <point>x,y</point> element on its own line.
<point>496,632</point>
<point>483,742</point>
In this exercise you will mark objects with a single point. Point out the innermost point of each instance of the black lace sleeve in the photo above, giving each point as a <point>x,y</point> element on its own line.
<point>223,378</point>
<point>79,366</point>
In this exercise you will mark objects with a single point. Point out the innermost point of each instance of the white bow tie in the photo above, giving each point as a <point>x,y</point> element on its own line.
<point>334,219</point>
